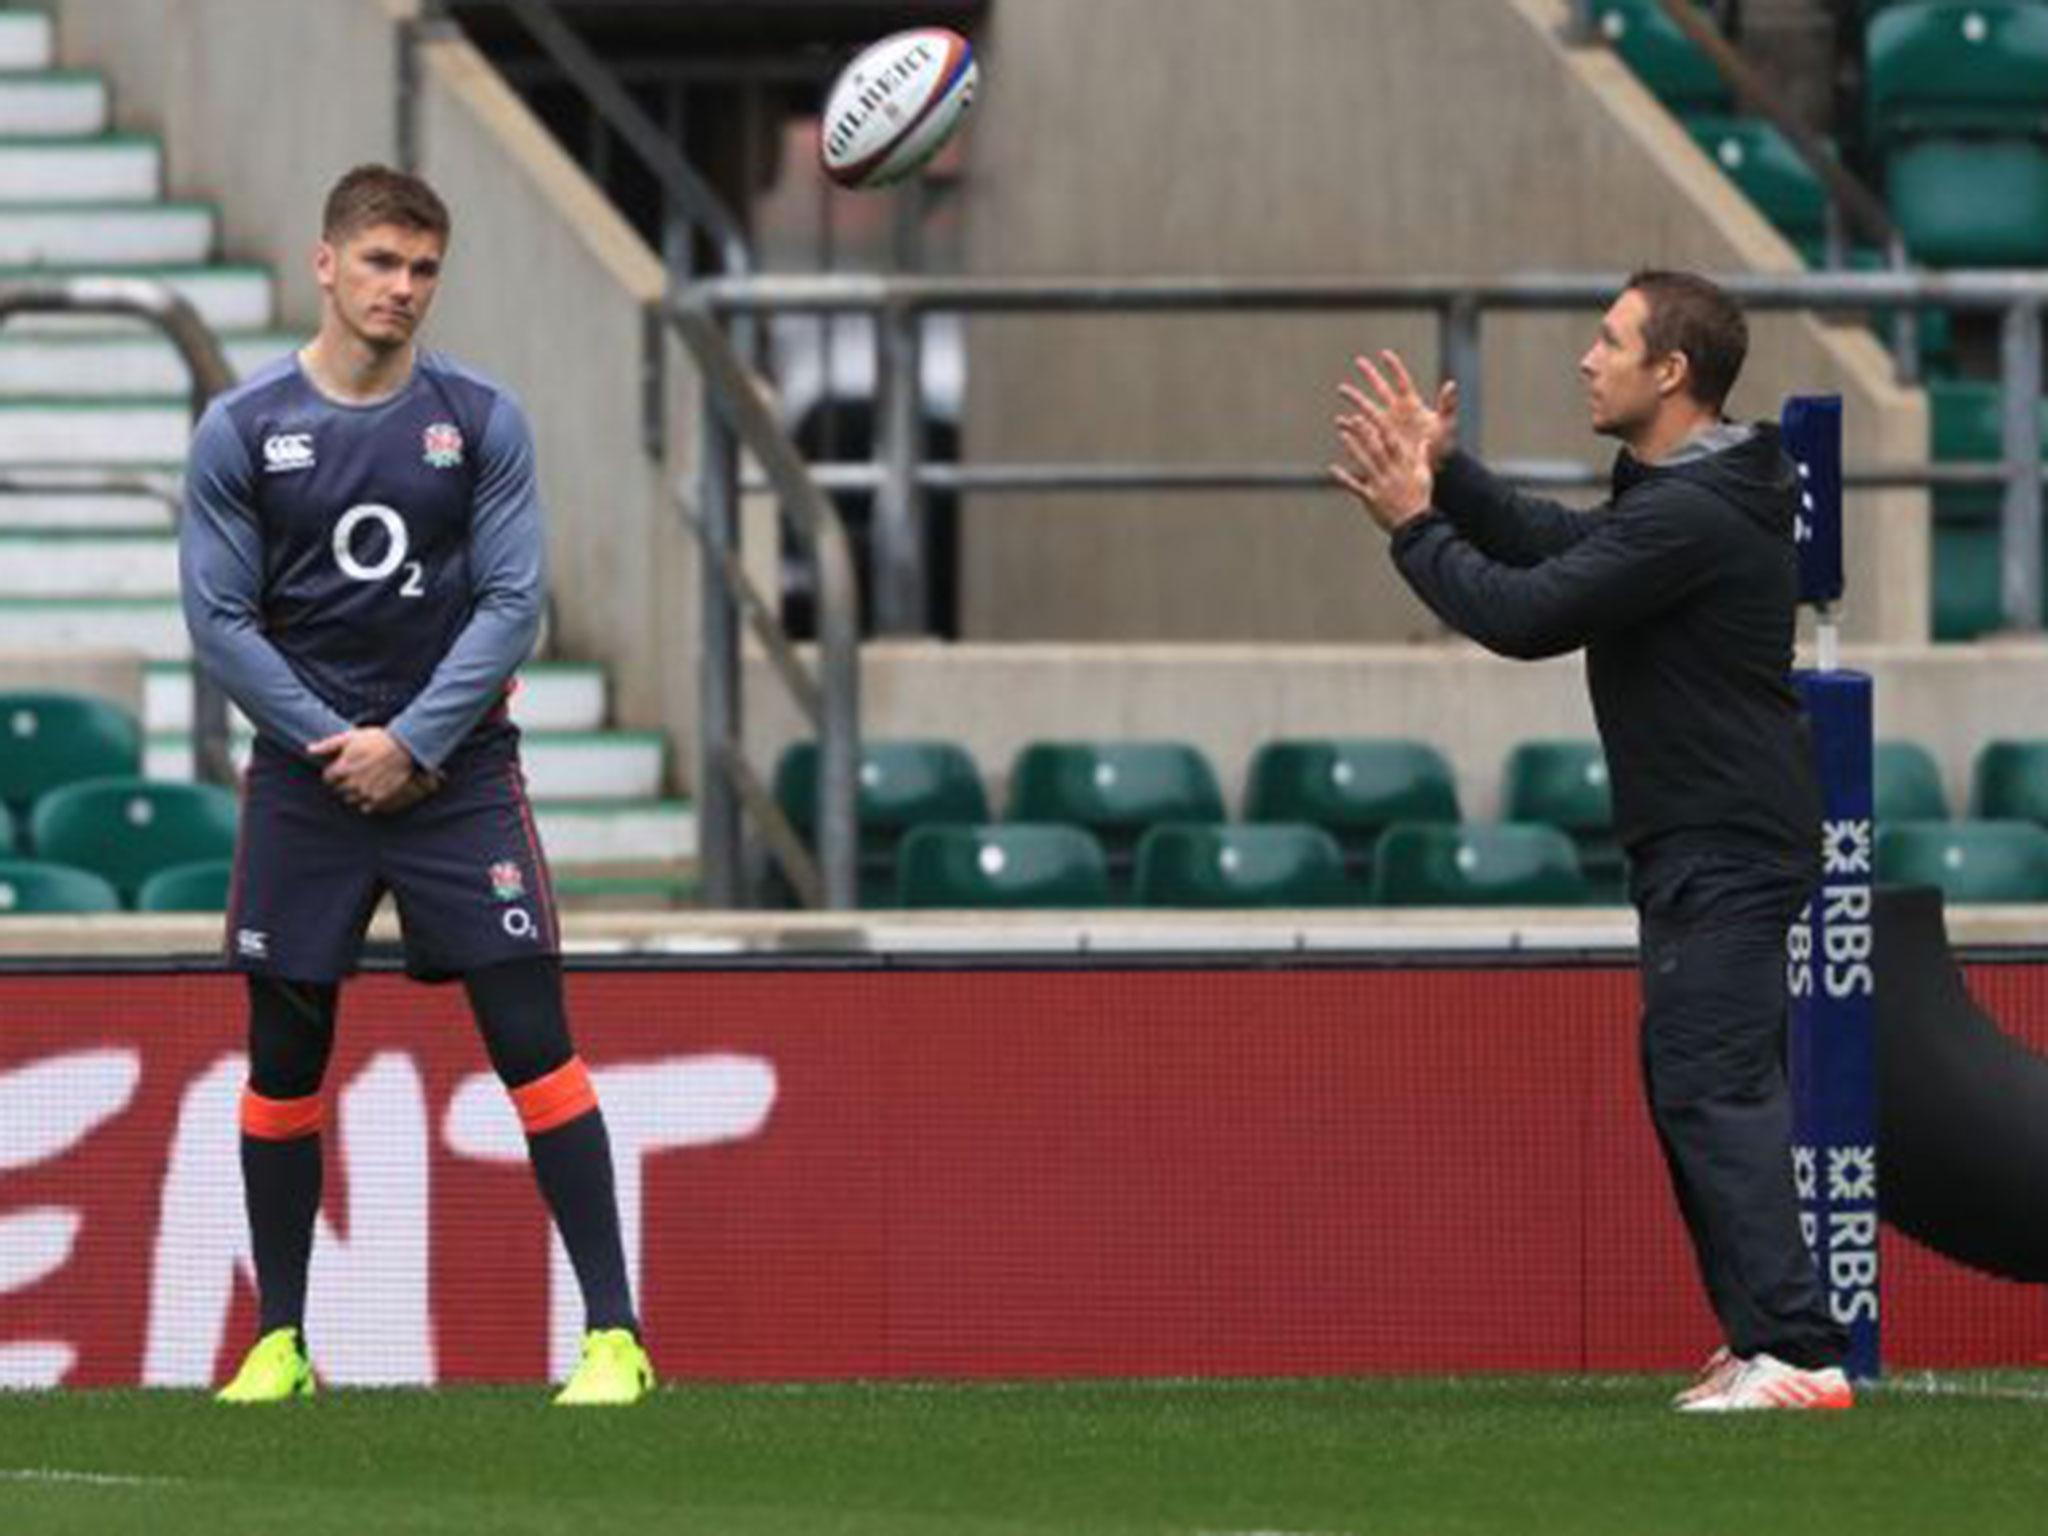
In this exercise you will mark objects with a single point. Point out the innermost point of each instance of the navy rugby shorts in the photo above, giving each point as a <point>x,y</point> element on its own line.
<point>464,868</point>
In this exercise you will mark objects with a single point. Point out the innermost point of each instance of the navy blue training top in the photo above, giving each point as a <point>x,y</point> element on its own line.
<point>378,564</point>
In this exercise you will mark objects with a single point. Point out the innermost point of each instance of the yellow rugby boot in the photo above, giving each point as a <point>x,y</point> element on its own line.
<point>613,1372</point>
<point>274,1371</point>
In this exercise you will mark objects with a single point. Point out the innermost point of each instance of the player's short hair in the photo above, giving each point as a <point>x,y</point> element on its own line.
<point>1688,314</point>
<point>371,195</point>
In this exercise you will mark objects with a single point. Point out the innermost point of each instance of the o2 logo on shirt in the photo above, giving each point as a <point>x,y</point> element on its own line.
<point>397,542</point>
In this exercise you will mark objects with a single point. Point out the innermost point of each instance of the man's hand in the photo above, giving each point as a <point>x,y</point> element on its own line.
<point>1390,474</point>
<point>371,770</point>
<point>1401,410</point>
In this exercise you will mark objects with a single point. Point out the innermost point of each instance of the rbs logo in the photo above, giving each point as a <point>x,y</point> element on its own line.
<point>1845,921</point>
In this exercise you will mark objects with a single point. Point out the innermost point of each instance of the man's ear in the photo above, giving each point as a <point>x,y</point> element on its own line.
<point>325,260</point>
<point>1674,373</point>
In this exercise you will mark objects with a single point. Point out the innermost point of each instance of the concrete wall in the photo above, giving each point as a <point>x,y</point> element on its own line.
<point>262,105</point>
<point>1376,138</point>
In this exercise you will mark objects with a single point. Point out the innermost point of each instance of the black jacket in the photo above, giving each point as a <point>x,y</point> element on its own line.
<point>1682,589</point>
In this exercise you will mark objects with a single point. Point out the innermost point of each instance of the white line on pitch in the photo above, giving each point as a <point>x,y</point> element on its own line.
<point>63,1475</point>
<point>1934,1386</point>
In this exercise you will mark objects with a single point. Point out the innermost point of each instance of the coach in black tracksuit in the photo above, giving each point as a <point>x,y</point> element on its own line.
<point>1682,589</point>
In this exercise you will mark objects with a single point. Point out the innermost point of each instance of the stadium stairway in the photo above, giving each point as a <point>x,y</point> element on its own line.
<point>84,402</point>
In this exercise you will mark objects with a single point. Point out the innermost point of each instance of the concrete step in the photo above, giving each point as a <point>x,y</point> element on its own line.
<point>114,234</point>
<point>88,563</point>
<point>228,298</point>
<point>94,430</point>
<point>155,626</point>
<point>637,832</point>
<point>78,498</point>
<point>55,103</point>
<point>28,40</point>
<point>560,765</point>
<point>120,363</point>
<point>93,168</point>
<point>552,696</point>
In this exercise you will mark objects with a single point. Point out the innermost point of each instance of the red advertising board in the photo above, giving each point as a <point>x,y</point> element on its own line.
<point>908,1172</point>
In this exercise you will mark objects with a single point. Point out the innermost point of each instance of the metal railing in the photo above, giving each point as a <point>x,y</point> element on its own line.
<point>733,404</point>
<point>171,313</point>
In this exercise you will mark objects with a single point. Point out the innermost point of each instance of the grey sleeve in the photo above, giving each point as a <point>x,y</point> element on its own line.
<point>220,574</point>
<point>508,581</point>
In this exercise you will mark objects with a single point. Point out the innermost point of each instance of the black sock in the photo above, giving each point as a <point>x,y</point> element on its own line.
<point>573,1166</point>
<point>281,1187</point>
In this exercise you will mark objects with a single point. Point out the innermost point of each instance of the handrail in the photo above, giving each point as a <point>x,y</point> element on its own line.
<point>726,785</point>
<point>1460,305</point>
<point>173,314</point>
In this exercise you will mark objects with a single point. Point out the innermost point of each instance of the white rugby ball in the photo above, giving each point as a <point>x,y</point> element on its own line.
<point>895,106</point>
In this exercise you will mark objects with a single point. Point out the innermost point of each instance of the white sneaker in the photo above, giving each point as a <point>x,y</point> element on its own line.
<point>1713,1378</point>
<point>1764,1381</point>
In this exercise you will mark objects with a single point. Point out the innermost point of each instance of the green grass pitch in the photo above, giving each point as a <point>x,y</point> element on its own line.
<point>1528,1456</point>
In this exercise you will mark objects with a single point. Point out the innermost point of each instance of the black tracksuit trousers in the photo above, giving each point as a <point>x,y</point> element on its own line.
<point>1713,1040</point>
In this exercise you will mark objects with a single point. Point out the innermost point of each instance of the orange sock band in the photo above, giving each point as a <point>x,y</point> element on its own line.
<point>556,1099</point>
<point>281,1119</point>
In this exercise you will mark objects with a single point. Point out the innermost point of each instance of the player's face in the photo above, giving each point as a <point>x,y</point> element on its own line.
<point>1624,385</point>
<point>380,281</point>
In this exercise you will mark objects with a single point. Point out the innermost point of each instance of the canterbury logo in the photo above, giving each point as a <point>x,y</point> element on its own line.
<point>284,452</point>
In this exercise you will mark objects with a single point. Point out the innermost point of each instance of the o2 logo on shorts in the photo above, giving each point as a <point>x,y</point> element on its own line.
<point>518,923</point>
<point>397,543</point>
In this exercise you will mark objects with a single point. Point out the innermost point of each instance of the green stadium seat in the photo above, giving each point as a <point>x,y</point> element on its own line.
<point>2009,781</point>
<point>48,739</point>
<point>1966,425</point>
<point>1353,787</point>
<point>1964,572</point>
<point>1244,864</point>
<point>7,832</point>
<point>1115,789</point>
<point>1563,784</point>
<point>1969,860</point>
<point>903,784</point>
<point>201,886</point>
<point>128,829</point>
<point>1426,864</point>
<point>31,885</point>
<point>1762,162</point>
<point>1003,864</point>
<point>1971,202</point>
<point>1676,70</point>
<point>1907,783</point>
<point>1956,67</point>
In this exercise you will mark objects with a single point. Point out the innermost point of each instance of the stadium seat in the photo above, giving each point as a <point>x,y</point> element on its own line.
<point>7,834</point>
<point>1957,67</point>
<point>903,784</point>
<point>1971,202</point>
<point>2009,781</point>
<point>1762,162</point>
<point>1677,72</point>
<point>1907,783</point>
<point>1421,864</point>
<point>1966,425</point>
<point>30,885</point>
<point>1004,864</point>
<point>1245,864</point>
<point>1563,784</point>
<point>59,738</point>
<point>1352,787</point>
<point>1964,572</point>
<point>201,886</point>
<point>1115,789</point>
<point>1969,860</point>
<point>128,829</point>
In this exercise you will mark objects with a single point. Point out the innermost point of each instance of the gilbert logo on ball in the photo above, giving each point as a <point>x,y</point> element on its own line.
<point>895,106</point>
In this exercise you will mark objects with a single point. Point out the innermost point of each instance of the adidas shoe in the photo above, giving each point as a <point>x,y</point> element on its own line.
<point>1764,1381</point>
<point>1714,1377</point>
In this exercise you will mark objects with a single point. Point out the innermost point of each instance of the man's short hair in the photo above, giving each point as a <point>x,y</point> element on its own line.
<point>1688,314</point>
<point>371,195</point>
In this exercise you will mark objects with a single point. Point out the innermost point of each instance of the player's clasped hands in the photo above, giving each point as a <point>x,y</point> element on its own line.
<point>371,770</point>
<point>1394,442</point>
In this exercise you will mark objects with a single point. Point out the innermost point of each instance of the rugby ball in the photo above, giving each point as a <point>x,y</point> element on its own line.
<point>895,106</point>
